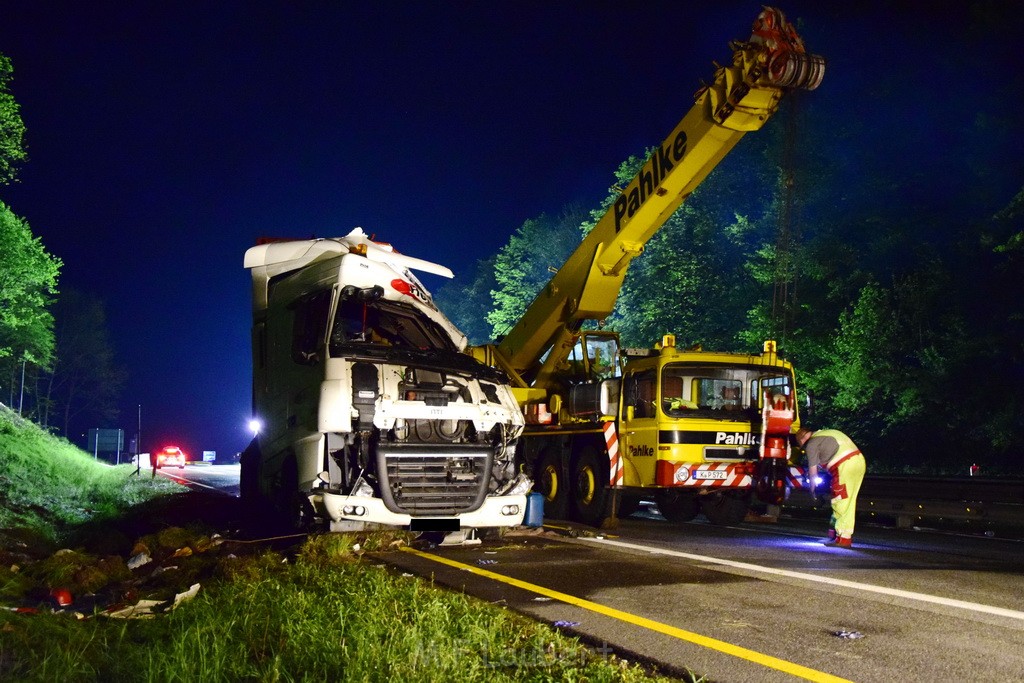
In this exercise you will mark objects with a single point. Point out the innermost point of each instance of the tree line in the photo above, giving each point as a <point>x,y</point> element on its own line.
<point>57,365</point>
<point>904,318</point>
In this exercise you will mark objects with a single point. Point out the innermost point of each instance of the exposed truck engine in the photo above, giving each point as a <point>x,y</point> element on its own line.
<point>372,413</point>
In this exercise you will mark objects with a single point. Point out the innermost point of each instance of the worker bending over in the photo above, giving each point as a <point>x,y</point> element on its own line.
<point>836,452</point>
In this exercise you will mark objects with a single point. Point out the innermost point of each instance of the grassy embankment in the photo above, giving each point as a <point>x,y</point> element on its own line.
<point>317,612</point>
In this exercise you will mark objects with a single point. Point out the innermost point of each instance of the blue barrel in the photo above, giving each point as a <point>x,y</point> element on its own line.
<point>534,510</point>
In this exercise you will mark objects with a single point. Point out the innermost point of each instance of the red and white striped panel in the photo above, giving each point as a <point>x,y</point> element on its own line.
<point>611,439</point>
<point>796,477</point>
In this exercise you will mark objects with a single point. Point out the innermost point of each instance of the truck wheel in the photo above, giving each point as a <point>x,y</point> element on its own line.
<point>677,506</point>
<point>590,487</point>
<point>724,508</point>
<point>550,482</point>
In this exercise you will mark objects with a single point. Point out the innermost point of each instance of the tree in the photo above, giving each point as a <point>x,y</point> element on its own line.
<point>523,266</point>
<point>84,382</point>
<point>12,129</point>
<point>28,281</point>
<point>468,304</point>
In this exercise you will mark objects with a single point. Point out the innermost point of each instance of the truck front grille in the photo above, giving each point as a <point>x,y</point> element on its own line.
<point>431,480</point>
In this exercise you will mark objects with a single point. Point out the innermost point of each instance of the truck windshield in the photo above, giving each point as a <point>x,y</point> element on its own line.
<point>384,323</point>
<point>721,391</point>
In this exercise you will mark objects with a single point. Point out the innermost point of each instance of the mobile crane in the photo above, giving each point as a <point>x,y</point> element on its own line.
<point>697,430</point>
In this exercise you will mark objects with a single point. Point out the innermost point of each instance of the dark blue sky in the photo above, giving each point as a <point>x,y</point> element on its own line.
<point>164,138</point>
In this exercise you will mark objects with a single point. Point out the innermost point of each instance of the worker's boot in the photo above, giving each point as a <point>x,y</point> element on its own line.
<point>838,541</point>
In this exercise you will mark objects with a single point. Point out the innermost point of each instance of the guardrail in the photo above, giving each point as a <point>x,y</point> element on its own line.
<point>910,499</point>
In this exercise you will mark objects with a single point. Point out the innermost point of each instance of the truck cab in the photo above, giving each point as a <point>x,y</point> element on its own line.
<point>374,415</point>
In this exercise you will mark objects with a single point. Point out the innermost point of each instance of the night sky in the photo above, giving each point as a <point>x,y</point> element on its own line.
<point>165,138</point>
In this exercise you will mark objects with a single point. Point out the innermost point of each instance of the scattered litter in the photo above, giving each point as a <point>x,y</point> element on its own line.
<point>566,624</point>
<point>356,547</point>
<point>62,596</point>
<point>143,609</point>
<point>406,574</point>
<point>160,570</point>
<point>848,634</point>
<point>182,552</point>
<point>542,599</point>
<point>187,595</point>
<point>139,560</point>
<point>490,552</point>
<point>486,562</point>
<point>148,609</point>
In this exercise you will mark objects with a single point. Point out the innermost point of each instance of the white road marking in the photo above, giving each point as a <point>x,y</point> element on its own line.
<point>828,580</point>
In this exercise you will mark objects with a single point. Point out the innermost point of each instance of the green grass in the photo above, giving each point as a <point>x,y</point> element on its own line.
<point>48,486</point>
<point>323,615</point>
<point>322,612</point>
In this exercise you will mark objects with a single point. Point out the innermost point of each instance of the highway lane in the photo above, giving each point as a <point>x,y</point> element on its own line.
<point>917,606</point>
<point>752,602</point>
<point>222,478</point>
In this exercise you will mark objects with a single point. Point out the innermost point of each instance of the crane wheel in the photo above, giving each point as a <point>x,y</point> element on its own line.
<point>550,482</point>
<point>590,487</point>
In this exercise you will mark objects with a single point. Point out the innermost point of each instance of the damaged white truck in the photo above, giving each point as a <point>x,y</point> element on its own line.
<point>372,414</point>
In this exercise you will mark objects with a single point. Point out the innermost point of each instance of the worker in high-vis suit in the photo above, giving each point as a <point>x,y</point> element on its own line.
<point>835,452</point>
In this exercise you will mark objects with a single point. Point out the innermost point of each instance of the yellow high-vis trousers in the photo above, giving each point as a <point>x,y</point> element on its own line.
<point>847,477</point>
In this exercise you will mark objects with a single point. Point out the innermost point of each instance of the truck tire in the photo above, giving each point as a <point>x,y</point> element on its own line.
<point>590,487</point>
<point>550,482</point>
<point>677,506</point>
<point>723,507</point>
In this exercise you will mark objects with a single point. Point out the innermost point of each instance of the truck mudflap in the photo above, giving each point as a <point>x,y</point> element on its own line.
<point>738,475</point>
<point>347,513</point>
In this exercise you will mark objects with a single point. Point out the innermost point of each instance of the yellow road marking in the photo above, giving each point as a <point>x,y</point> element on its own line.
<point>704,641</point>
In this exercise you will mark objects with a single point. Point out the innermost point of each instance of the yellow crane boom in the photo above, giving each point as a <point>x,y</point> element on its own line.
<point>741,98</point>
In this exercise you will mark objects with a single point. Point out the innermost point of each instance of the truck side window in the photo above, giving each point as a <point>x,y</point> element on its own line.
<point>640,393</point>
<point>310,326</point>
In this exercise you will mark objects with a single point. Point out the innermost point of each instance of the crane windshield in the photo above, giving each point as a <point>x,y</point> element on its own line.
<point>722,391</point>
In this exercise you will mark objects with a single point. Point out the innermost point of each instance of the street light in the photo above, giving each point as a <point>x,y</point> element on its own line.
<point>255,426</point>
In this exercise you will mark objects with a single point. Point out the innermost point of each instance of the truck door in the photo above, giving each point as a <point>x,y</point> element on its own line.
<point>638,433</point>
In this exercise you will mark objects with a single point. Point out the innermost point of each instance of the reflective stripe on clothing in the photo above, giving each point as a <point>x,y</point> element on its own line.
<point>838,460</point>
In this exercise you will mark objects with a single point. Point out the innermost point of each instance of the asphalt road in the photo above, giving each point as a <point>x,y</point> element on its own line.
<point>764,602</point>
<point>222,478</point>
<point>752,602</point>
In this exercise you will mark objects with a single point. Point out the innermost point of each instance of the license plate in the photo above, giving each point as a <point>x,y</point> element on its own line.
<point>715,474</point>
